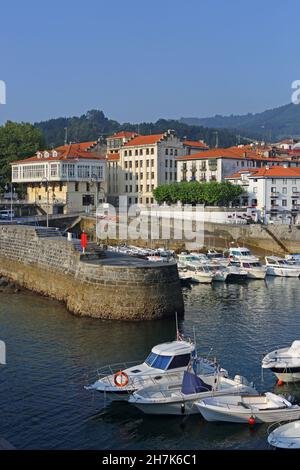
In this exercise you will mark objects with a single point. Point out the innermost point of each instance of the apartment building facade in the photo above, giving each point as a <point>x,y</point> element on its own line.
<point>70,178</point>
<point>217,164</point>
<point>273,190</point>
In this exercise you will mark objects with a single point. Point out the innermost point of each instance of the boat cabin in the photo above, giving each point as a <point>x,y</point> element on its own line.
<point>171,355</point>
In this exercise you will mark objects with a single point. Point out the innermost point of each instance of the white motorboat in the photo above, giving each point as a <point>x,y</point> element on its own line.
<point>293,259</point>
<point>235,273</point>
<point>185,275</point>
<point>281,267</point>
<point>219,271</point>
<point>254,269</point>
<point>180,400</point>
<point>201,273</point>
<point>266,408</point>
<point>242,253</point>
<point>286,436</point>
<point>165,364</point>
<point>284,362</point>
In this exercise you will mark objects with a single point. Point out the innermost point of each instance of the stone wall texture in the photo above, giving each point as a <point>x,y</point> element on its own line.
<point>52,267</point>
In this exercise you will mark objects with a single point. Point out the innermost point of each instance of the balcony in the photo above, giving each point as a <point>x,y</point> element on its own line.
<point>275,194</point>
<point>295,195</point>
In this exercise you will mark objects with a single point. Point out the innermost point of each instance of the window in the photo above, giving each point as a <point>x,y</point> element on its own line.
<point>180,361</point>
<point>141,151</point>
<point>147,163</point>
<point>136,152</point>
<point>125,153</point>
<point>167,152</point>
<point>175,152</point>
<point>148,188</point>
<point>273,190</point>
<point>171,163</point>
<point>284,190</point>
<point>294,181</point>
<point>294,189</point>
<point>147,151</point>
<point>284,202</point>
<point>60,186</point>
<point>255,189</point>
<point>76,186</point>
<point>284,181</point>
<point>130,153</point>
<point>136,188</point>
<point>126,164</point>
<point>152,175</point>
<point>136,163</point>
<point>273,181</point>
<point>166,175</point>
<point>130,188</point>
<point>126,176</point>
<point>171,151</point>
<point>87,187</point>
<point>152,151</point>
<point>166,163</point>
<point>83,171</point>
<point>126,188</point>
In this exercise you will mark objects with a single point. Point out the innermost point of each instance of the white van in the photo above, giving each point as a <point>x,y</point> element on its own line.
<point>7,214</point>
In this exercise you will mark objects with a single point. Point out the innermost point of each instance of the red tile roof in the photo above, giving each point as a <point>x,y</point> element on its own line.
<point>67,152</point>
<point>240,153</point>
<point>111,157</point>
<point>238,174</point>
<point>268,172</point>
<point>122,134</point>
<point>277,172</point>
<point>195,143</point>
<point>144,140</point>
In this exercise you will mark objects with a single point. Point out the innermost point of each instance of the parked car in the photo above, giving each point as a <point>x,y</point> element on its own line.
<point>7,214</point>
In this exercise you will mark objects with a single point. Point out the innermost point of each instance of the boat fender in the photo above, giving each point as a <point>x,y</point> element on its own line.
<point>121,379</point>
<point>182,408</point>
<point>279,382</point>
<point>251,420</point>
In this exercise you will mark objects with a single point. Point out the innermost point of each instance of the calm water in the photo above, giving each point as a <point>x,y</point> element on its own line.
<point>51,355</point>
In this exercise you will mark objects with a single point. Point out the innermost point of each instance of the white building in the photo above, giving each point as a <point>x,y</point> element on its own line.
<point>273,190</point>
<point>68,179</point>
<point>216,164</point>
<point>139,163</point>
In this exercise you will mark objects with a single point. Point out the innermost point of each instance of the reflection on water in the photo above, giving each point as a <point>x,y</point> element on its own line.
<point>51,355</point>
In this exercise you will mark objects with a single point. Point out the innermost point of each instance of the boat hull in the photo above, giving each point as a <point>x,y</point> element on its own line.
<point>243,416</point>
<point>272,271</point>
<point>288,376</point>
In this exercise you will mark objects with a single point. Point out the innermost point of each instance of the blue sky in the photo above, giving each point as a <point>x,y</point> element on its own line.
<point>142,60</point>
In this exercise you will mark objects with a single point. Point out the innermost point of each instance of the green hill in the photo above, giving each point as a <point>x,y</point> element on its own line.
<point>94,123</point>
<point>272,124</point>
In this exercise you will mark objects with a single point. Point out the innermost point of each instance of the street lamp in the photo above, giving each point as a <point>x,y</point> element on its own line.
<point>47,187</point>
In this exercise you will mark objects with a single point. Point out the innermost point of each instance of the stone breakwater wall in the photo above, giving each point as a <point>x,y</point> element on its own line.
<point>99,289</point>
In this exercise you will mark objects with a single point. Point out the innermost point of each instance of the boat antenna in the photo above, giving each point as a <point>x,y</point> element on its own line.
<point>195,341</point>
<point>178,335</point>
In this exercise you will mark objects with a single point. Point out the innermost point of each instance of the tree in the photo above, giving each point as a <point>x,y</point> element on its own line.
<point>17,141</point>
<point>210,193</point>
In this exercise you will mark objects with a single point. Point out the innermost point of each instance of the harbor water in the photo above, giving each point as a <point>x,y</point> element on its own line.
<point>52,355</point>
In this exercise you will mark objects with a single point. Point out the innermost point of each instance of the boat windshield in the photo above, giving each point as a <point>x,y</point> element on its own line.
<point>167,362</point>
<point>251,265</point>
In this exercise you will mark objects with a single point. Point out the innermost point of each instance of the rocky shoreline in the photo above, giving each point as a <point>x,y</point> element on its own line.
<point>8,286</point>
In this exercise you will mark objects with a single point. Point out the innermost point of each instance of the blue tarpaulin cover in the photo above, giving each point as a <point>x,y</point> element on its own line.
<point>191,383</point>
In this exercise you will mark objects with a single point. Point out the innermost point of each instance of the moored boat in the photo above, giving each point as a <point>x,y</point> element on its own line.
<point>277,266</point>
<point>284,363</point>
<point>180,400</point>
<point>286,436</point>
<point>266,408</point>
<point>165,364</point>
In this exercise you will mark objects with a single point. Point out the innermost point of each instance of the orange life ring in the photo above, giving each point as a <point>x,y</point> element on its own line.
<point>123,381</point>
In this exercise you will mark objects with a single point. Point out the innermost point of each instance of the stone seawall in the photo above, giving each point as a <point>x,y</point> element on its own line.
<point>107,288</point>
